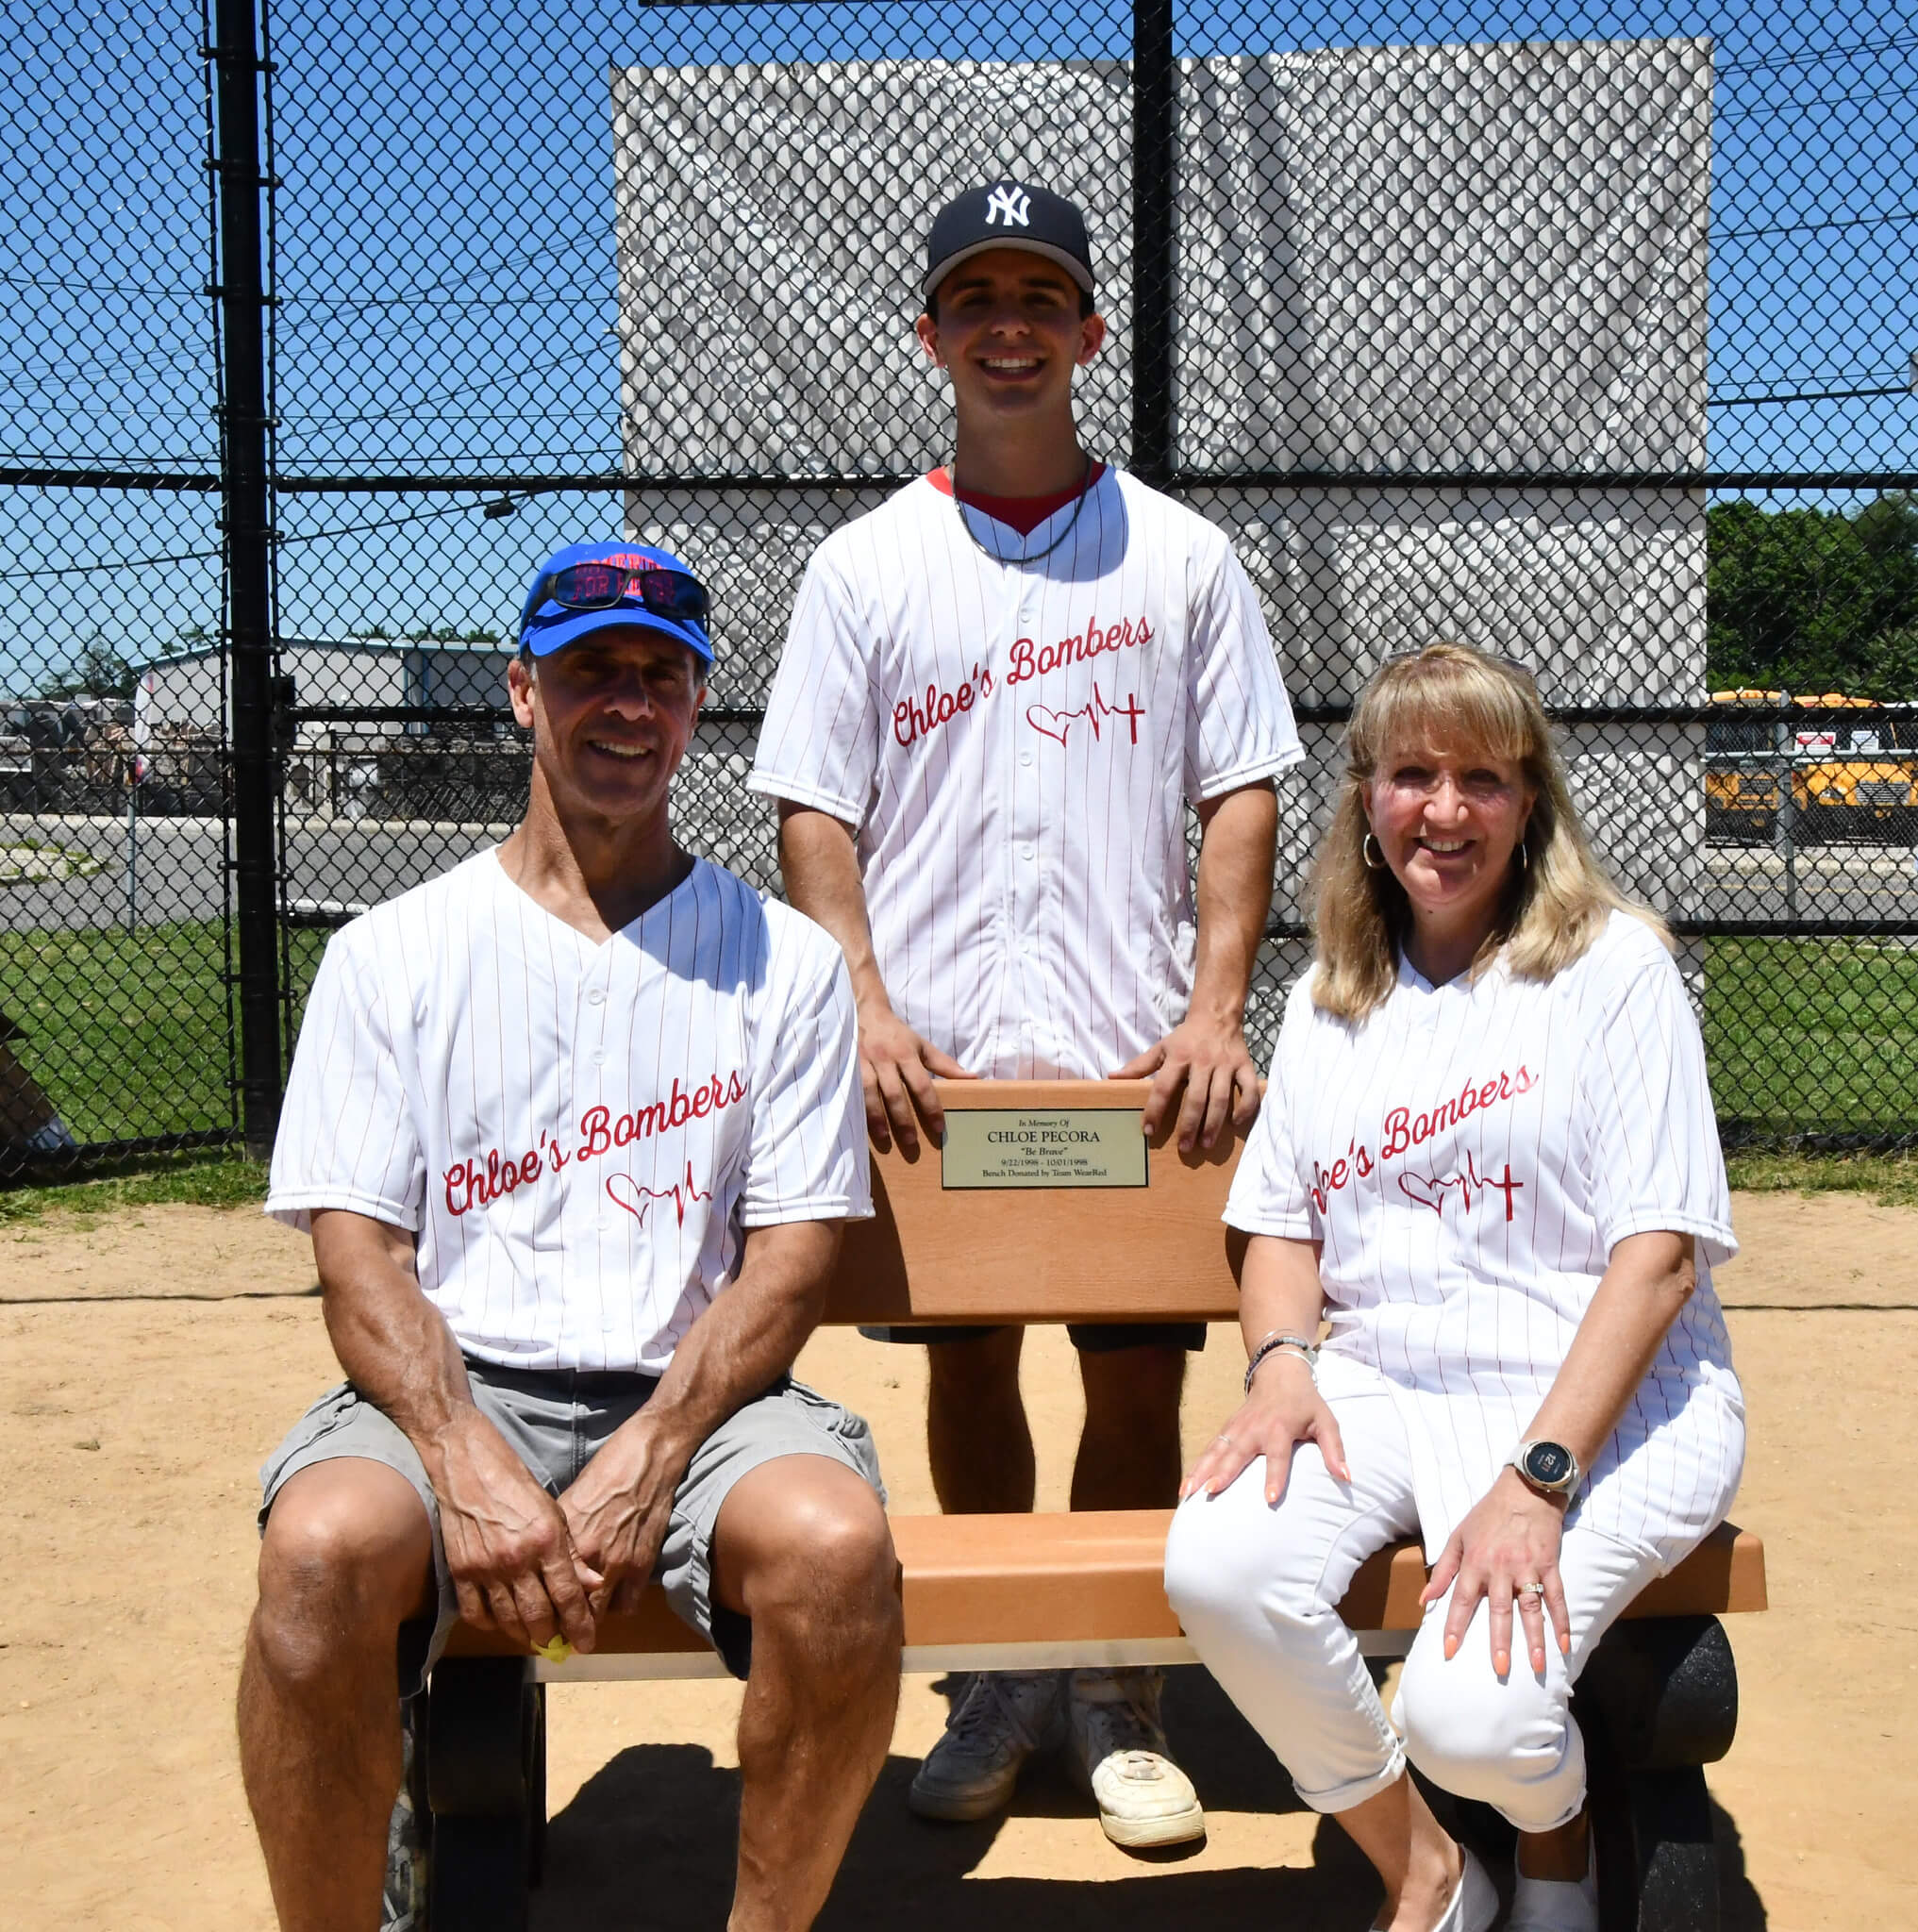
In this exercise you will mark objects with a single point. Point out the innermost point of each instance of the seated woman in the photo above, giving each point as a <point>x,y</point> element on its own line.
<point>1488,1157</point>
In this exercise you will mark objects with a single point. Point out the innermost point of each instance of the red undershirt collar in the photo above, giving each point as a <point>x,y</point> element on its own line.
<point>1022,513</point>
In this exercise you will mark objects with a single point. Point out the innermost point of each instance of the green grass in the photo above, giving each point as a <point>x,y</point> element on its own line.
<point>220,1182</point>
<point>1812,1037</point>
<point>127,1032</point>
<point>1891,1180</point>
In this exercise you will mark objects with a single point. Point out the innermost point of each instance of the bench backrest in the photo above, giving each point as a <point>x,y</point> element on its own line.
<point>939,1252</point>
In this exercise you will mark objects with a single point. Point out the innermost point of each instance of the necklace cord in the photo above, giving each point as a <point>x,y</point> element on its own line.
<point>1037,556</point>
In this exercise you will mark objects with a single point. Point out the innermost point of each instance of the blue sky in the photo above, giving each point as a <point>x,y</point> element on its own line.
<point>445,253</point>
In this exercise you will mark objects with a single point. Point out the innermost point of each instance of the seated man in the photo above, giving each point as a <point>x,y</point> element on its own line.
<point>574,1127</point>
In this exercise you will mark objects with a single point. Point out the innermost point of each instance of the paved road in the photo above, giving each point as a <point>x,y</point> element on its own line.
<point>82,868</point>
<point>179,867</point>
<point>78,867</point>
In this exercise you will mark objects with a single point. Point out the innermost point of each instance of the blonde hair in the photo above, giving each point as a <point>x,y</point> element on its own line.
<point>1559,897</point>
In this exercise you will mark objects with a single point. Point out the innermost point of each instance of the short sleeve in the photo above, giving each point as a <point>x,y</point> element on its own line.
<point>1269,1193</point>
<point>1238,723</point>
<point>819,743</point>
<point>806,1158</point>
<point>1651,1136</point>
<point>347,1137</point>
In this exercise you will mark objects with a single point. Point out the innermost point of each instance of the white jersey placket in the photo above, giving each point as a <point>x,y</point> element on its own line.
<point>1028,858</point>
<point>592,1051</point>
<point>1028,841</point>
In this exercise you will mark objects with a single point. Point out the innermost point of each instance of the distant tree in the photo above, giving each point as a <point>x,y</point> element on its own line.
<point>380,629</point>
<point>1810,601</point>
<point>96,670</point>
<point>1897,654</point>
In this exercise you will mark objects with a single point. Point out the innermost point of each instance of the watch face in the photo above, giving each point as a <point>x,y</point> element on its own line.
<point>1548,1464</point>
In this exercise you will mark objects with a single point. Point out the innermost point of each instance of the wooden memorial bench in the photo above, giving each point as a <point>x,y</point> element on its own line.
<point>1018,1236</point>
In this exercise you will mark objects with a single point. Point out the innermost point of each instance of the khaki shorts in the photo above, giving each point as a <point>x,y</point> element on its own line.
<point>556,1420</point>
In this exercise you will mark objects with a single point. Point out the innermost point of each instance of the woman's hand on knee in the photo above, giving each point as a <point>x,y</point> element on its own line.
<point>1507,1552</point>
<point>1284,1409</point>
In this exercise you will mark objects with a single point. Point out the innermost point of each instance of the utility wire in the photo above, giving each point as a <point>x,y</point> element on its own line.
<point>584,240</point>
<point>64,286</point>
<point>1767,111</point>
<point>1809,395</point>
<point>1903,215</point>
<point>491,382</point>
<point>81,570</point>
<point>73,570</point>
<point>1847,50</point>
<point>464,303</point>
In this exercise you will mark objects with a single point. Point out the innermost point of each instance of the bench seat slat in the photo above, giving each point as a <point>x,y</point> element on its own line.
<point>1097,1577</point>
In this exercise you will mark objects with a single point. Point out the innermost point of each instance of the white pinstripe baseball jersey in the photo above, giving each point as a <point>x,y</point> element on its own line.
<point>578,1133</point>
<point>1469,1157</point>
<point>1015,746</point>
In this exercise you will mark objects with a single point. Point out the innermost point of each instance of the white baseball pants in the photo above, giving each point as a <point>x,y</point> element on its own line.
<point>1257,1590</point>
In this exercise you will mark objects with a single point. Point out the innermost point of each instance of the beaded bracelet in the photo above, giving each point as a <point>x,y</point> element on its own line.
<point>1277,1343</point>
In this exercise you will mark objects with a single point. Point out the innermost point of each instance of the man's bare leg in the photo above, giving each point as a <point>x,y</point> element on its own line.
<point>347,1558</point>
<point>1130,1451</point>
<point>803,1549</point>
<point>977,1435</point>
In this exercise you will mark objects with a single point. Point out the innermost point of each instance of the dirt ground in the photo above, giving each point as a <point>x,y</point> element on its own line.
<point>152,1359</point>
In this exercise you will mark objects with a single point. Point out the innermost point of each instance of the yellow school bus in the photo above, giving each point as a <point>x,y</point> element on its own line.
<point>1854,777</point>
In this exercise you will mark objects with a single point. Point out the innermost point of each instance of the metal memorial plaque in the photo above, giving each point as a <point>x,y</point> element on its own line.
<point>1043,1147</point>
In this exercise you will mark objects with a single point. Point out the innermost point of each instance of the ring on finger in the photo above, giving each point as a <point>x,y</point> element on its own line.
<point>1226,1440</point>
<point>1537,1589</point>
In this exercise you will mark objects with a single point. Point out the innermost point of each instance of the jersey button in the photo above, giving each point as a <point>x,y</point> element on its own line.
<point>1024,758</point>
<point>597,997</point>
<point>1027,851</point>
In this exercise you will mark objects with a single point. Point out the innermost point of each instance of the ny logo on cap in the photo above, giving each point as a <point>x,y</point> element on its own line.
<point>1014,204</point>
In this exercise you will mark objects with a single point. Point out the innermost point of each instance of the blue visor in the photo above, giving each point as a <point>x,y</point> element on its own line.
<point>589,587</point>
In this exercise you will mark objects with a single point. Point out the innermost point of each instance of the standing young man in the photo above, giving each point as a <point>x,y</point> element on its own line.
<point>574,1127</point>
<point>999,692</point>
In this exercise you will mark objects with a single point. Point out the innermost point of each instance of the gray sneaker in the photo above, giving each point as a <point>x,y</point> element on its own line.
<point>1001,1718</point>
<point>1143,1797</point>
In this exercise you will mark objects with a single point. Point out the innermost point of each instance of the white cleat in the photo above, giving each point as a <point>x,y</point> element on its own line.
<point>1144,1798</point>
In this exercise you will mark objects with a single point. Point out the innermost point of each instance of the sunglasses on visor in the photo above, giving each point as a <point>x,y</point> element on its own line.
<point>605,586</point>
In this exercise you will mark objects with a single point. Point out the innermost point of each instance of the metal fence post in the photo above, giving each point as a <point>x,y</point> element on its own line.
<point>1155,79</point>
<point>249,571</point>
<point>1785,819</point>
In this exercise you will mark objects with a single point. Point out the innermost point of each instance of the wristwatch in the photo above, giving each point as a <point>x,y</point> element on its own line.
<point>1549,1468</point>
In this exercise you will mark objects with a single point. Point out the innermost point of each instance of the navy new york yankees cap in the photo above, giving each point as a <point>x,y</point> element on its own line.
<point>1008,214</point>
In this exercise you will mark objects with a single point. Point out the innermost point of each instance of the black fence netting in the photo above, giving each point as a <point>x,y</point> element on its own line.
<point>1585,334</point>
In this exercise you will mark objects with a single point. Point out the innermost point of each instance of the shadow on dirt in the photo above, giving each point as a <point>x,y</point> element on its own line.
<point>648,1844</point>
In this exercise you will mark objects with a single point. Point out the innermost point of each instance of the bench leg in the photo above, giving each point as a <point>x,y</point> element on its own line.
<point>1658,1702</point>
<point>408,1843</point>
<point>1657,1866</point>
<point>486,1780</point>
<point>536,1787</point>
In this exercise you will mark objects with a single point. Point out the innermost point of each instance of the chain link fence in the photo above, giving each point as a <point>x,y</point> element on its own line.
<point>1586,334</point>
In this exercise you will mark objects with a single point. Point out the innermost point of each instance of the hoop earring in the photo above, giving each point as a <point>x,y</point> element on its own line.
<point>1524,858</point>
<point>1368,845</point>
